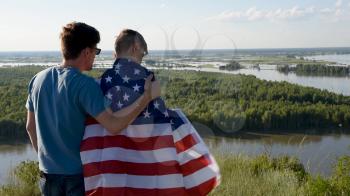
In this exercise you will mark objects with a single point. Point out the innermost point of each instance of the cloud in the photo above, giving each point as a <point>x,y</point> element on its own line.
<point>253,14</point>
<point>339,3</point>
<point>334,14</point>
<point>326,11</point>
<point>339,12</point>
<point>294,12</point>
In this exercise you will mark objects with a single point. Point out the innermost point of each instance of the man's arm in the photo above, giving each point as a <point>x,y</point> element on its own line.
<point>116,122</point>
<point>31,129</point>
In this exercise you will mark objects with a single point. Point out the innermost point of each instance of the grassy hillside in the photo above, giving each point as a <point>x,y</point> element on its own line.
<point>241,175</point>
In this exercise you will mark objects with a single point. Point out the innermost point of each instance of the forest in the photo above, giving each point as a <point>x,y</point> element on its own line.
<point>231,66</point>
<point>315,70</point>
<point>224,102</point>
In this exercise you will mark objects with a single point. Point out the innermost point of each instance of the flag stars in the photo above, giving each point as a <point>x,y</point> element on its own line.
<point>126,79</point>
<point>120,105</point>
<point>118,88</point>
<point>166,114</point>
<point>147,114</point>
<point>109,96</point>
<point>156,105</point>
<point>136,88</point>
<point>118,66</point>
<point>136,71</point>
<point>108,79</point>
<point>126,97</point>
<point>116,71</point>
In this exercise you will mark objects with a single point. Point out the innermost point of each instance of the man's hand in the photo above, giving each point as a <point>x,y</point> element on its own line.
<point>152,89</point>
<point>148,88</point>
<point>155,89</point>
<point>31,129</point>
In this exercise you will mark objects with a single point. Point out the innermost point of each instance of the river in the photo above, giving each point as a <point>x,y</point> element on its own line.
<point>317,152</point>
<point>338,85</point>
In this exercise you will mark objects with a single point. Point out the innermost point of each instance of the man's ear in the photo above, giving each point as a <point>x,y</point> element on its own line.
<point>85,52</point>
<point>134,48</point>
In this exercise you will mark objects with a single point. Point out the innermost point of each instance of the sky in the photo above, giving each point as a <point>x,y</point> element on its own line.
<point>182,24</point>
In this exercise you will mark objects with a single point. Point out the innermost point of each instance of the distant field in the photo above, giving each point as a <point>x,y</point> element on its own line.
<point>279,60</point>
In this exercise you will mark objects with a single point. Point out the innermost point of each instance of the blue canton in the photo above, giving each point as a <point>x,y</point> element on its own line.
<point>124,84</point>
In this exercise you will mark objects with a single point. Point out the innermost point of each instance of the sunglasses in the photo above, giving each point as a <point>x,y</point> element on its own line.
<point>97,51</point>
<point>144,53</point>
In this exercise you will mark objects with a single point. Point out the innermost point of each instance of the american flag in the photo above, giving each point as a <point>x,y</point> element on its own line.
<point>160,153</point>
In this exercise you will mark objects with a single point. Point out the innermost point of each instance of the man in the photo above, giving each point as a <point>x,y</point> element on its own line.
<point>160,153</point>
<point>59,100</point>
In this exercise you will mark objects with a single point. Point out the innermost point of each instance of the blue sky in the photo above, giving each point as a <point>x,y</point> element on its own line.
<point>182,24</point>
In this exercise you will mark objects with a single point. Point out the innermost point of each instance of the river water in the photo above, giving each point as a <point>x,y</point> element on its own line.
<point>339,59</point>
<point>11,155</point>
<point>340,85</point>
<point>317,152</point>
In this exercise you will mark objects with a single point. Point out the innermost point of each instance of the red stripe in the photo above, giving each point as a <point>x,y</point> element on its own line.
<point>90,121</point>
<point>122,141</point>
<point>195,165</point>
<point>185,143</point>
<point>204,188</point>
<point>136,191</point>
<point>121,167</point>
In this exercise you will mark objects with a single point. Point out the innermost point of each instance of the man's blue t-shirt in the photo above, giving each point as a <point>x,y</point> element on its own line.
<point>61,98</point>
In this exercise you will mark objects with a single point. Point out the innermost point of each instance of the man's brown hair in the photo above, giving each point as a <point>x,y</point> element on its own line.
<point>126,39</point>
<point>75,37</point>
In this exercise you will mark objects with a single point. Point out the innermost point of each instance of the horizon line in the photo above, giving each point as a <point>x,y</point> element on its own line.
<point>111,50</point>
